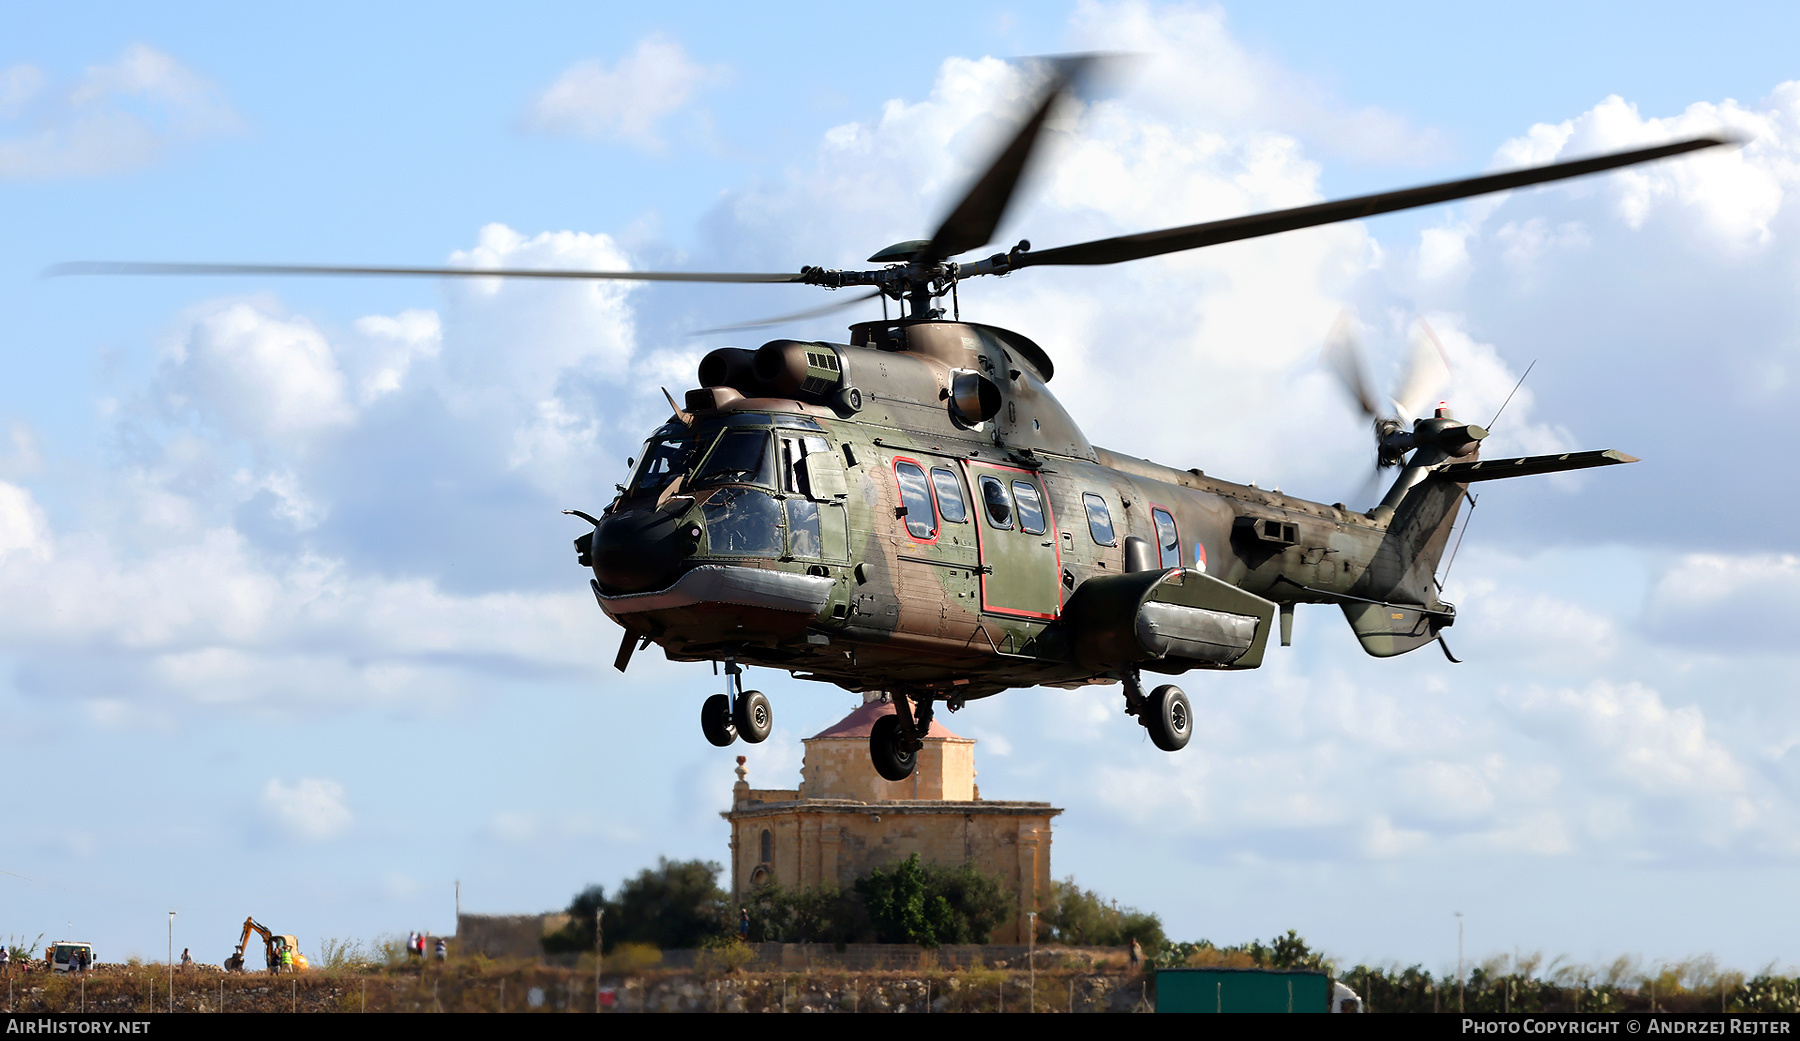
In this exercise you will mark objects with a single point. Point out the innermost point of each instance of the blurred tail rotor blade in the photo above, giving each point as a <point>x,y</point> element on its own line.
<point>1428,373</point>
<point>1343,355</point>
<point>835,305</point>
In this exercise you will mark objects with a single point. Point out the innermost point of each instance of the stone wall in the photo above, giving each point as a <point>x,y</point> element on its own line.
<point>506,935</point>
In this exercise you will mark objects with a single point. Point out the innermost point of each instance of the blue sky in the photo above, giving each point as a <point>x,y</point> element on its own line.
<point>293,627</point>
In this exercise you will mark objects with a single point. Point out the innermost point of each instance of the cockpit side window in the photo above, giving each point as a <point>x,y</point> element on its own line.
<point>741,457</point>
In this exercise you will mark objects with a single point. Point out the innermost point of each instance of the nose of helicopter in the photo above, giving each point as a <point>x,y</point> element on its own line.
<point>639,551</point>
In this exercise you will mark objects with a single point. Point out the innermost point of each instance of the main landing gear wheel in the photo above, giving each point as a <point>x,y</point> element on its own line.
<point>1169,718</point>
<point>715,721</point>
<point>891,753</point>
<point>753,717</point>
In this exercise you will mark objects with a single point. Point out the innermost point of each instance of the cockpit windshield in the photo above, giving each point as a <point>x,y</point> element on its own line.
<point>742,457</point>
<point>728,456</point>
<point>665,455</point>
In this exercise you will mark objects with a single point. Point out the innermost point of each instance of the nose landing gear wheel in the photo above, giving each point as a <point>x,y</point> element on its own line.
<point>888,749</point>
<point>753,717</point>
<point>1169,718</point>
<point>715,721</point>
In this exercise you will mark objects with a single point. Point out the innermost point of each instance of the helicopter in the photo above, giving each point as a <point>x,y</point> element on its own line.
<point>913,513</point>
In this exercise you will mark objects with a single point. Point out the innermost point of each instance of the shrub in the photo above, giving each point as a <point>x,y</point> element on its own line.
<point>931,905</point>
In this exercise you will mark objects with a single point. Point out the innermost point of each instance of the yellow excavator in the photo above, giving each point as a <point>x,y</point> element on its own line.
<point>273,948</point>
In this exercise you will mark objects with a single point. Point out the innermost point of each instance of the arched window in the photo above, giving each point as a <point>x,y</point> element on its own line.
<point>768,846</point>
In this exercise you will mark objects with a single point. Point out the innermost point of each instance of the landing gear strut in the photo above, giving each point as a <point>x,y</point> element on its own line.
<point>1166,713</point>
<point>895,740</point>
<point>736,713</point>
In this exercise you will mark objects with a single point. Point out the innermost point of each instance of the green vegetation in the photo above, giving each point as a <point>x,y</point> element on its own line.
<point>677,904</point>
<point>1082,918</point>
<point>816,914</point>
<point>337,954</point>
<point>932,905</point>
<point>20,951</point>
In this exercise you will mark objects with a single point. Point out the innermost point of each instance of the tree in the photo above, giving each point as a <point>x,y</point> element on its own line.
<point>931,905</point>
<point>817,914</point>
<point>1082,918</point>
<point>677,904</point>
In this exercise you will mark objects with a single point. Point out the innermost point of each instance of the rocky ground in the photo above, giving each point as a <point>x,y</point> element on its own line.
<point>495,988</point>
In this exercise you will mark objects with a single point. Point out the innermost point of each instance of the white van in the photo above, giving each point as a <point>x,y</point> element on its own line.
<point>69,955</point>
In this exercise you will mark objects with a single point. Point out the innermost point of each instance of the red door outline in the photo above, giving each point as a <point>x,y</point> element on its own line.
<point>981,530</point>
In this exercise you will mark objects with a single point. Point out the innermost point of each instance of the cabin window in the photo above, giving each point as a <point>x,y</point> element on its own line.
<point>997,503</point>
<point>1168,539</point>
<point>741,456</point>
<point>915,498</point>
<point>796,422</point>
<point>1031,508</point>
<point>803,528</point>
<point>743,520</point>
<point>1099,520</point>
<point>949,497</point>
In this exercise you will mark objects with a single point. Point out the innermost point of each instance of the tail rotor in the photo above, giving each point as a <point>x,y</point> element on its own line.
<point>1392,418</point>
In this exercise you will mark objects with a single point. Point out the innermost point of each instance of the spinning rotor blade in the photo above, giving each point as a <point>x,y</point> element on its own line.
<point>1212,233</point>
<point>836,305</point>
<point>972,223</point>
<point>101,267</point>
<point>1428,372</point>
<point>1343,354</point>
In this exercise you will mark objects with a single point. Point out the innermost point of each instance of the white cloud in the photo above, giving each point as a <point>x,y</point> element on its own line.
<point>23,527</point>
<point>1190,67</point>
<point>262,375</point>
<point>392,343</point>
<point>1724,600</point>
<point>311,808</point>
<point>116,117</point>
<point>627,101</point>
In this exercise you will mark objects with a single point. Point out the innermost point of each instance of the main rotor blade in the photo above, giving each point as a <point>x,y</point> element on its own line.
<point>835,305</point>
<point>102,267</point>
<point>973,222</point>
<point>1193,236</point>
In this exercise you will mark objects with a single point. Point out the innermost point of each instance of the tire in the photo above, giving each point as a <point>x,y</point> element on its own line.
<point>892,761</point>
<point>753,717</point>
<point>1170,718</point>
<point>715,720</point>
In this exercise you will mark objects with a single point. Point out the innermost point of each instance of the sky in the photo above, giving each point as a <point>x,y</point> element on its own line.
<point>292,625</point>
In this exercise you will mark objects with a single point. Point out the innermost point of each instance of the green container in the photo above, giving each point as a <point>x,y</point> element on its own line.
<point>1242,990</point>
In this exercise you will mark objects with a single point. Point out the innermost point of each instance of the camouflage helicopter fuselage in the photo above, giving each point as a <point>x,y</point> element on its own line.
<point>916,512</point>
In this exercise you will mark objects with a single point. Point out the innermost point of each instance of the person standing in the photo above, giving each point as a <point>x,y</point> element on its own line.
<point>443,951</point>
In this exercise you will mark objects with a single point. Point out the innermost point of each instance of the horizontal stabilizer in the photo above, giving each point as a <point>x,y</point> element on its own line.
<point>1528,466</point>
